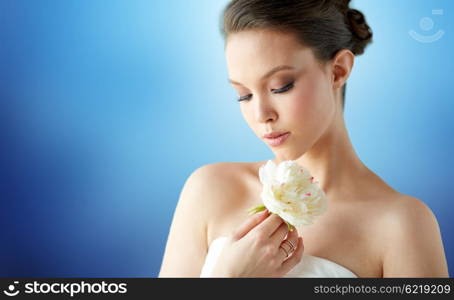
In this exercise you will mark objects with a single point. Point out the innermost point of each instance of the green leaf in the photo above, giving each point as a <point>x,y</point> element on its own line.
<point>290,226</point>
<point>256,209</point>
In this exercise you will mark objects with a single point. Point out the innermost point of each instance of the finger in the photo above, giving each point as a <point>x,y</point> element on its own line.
<point>292,237</point>
<point>293,259</point>
<point>283,252</point>
<point>279,234</point>
<point>290,242</point>
<point>249,224</point>
<point>269,225</point>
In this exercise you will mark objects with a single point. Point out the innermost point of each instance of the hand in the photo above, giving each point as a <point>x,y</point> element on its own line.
<point>259,248</point>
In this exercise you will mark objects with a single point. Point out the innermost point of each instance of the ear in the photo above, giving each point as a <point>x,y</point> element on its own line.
<point>342,65</point>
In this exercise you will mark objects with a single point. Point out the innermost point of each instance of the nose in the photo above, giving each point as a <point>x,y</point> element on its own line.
<point>264,110</point>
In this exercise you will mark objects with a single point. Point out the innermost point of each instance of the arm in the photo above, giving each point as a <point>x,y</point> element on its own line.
<point>414,247</point>
<point>186,243</point>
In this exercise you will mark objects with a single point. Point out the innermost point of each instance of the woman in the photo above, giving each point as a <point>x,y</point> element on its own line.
<point>289,62</point>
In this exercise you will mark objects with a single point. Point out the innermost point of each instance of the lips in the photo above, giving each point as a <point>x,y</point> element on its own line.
<point>276,139</point>
<point>274,135</point>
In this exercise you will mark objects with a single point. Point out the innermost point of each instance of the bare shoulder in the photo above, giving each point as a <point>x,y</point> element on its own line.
<point>412,240</point>
<point>225,188</point>
<point>223,182</point>
<point>214,179</point>
<point>204,196</point>
<point>220,171</point>
<point>206,187</point>
<point>225,176</point>
<point>405,212</point>
<point>219,178</point>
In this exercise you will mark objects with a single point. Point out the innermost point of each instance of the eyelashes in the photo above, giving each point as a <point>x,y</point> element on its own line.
<point>283,89</point>
<point>245,97</point>
<point>275,91</point>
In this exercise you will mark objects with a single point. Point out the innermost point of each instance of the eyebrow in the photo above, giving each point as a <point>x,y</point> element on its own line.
<point>269,73</point>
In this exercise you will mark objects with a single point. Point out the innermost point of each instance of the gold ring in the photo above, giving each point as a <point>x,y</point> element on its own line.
<point>292,247</point>
<point>286,253</point>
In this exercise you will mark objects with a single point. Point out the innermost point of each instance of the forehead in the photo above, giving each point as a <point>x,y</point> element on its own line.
<point>251,53</point>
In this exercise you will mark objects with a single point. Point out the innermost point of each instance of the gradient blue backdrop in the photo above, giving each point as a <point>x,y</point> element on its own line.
<point>106,107</point>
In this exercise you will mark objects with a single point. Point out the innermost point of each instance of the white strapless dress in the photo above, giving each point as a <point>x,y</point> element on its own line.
<point>310,266</point>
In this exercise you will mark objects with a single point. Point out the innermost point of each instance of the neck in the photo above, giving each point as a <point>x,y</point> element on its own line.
<point>332,159</point>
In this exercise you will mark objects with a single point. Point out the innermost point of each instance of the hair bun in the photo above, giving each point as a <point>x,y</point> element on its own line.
<point>360,30</point>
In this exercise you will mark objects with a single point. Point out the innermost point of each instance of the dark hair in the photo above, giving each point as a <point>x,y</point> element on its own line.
<point>326,26</point>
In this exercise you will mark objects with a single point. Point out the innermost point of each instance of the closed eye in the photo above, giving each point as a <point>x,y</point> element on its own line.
<point>276,91</point>
<point>245,97</point>
<point>283,89</point>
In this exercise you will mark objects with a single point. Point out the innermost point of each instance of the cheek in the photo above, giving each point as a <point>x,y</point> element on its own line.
<point>302,104</point>
<point>312,106</point>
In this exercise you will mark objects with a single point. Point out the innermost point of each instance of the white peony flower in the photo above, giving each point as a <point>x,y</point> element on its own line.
<point>290,191</point>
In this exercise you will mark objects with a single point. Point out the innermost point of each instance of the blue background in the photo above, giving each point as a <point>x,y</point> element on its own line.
<point>106,107</point>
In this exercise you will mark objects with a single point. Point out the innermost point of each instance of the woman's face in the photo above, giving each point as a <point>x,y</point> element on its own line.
<point>297,98</point>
